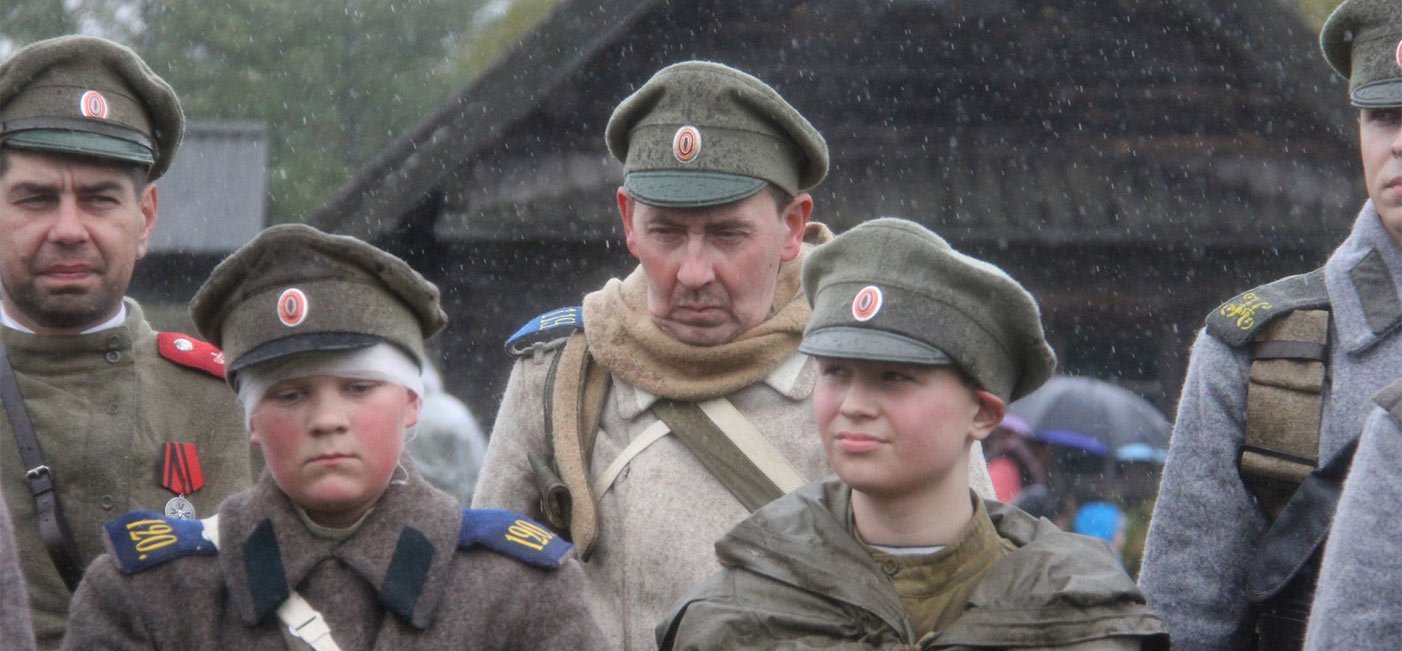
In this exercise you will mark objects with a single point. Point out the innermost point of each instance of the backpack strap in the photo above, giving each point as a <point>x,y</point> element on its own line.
<point>1286,323</point>
<point>574,394</point>
<point>1285,406</point>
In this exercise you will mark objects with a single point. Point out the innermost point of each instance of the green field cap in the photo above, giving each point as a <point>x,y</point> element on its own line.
<point>295,289</point>
<point>890,290</point>
<point>88,96</point>
<point>1362,40</point>
<point>704,134</point>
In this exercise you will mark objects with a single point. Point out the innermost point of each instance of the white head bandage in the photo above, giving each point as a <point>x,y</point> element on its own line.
<point>382,362</point>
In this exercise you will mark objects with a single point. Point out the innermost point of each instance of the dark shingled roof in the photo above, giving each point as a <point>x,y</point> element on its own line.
<point>993,120</point>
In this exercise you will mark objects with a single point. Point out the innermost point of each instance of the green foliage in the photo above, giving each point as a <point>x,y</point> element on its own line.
<point>1315,11</point>
<point>334,81</point>
<point>492,39</point>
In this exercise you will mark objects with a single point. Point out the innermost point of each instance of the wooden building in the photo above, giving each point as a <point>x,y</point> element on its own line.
<point>1134,163</point>
<point>212,201</point>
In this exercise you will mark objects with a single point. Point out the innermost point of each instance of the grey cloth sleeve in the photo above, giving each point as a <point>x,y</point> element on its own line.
<point>1205,522</point>
<point>506,480</point>
<point>1358,604</point>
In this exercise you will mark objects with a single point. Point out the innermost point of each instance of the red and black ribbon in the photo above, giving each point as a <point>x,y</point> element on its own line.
<point>181,472</point>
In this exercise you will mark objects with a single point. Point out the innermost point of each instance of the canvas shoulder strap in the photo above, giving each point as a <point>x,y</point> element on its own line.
<point>53,526</point>
<point>1285,405</point>
<point>574,394</point>
<point>731,448</point>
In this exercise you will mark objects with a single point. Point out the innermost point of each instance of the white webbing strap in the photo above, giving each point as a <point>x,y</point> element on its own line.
<point>737,428</point>
<point>303,621</point>
<point>603,482</point>
<point>758,449</point>
<point>306,623</point>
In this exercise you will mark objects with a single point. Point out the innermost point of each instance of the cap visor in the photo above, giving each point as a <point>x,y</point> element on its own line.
<point>1384,93</point>
<point>306,343</point>
<point>681,189</point>
<point>81,143</point>
<point>872,345</point>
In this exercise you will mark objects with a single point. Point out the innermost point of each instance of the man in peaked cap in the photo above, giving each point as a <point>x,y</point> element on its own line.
<point>341,543</point>
<point>108,415</point>
<point>1277,392</point>
<point>919,348</point>
<point>678,401</point>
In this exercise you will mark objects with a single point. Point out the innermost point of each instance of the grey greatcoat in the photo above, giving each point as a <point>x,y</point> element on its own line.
<point>103,406</point>
<point>1205,524</point>
<point>15,626</point>
<point>1358,604</point>
<point>794,578</point>
<point>664,511</point>
<point>467,599</point>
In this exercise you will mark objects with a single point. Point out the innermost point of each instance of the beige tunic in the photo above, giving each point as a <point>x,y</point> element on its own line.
<point>103,406</point>
<point>659,520</point>
<point>399,582</point>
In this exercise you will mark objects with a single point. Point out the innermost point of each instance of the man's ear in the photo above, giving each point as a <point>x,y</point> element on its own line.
<point>147,202</point>
<point>991,410</point>
<point>625,211</point>
<point>795,218</point>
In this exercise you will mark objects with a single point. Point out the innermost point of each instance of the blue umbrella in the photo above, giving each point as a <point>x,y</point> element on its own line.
<point>1094,410</point>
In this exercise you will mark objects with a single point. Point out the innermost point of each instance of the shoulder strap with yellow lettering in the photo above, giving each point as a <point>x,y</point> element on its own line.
<point>142,540</point>
<point>512,534</point>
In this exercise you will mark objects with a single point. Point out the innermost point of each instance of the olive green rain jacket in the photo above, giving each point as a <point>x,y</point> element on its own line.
<point>794,578</point>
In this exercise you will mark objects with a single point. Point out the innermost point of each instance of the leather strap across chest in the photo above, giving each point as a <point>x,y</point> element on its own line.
<point>53,526</point>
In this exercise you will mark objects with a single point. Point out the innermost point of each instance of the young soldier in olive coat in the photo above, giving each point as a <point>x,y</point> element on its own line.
<point>85,130</point>
<point>341,543</point>
<point>919,348</point>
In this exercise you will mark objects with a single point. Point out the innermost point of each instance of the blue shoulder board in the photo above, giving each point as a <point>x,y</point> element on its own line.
<point>551,325</point>
<point>142,539</point>
<point>512,534</point>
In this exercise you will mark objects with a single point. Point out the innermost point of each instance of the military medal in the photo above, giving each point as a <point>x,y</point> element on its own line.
<point>181,474</point>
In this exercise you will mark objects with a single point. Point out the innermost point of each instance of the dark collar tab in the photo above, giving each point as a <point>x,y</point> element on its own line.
<point>262,561</point>
<point>408,570</point>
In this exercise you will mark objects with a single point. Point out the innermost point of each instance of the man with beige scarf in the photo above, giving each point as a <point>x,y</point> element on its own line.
<point>679,402</point>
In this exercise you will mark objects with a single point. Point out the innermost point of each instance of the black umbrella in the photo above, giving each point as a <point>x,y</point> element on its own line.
<point>1093,411</point>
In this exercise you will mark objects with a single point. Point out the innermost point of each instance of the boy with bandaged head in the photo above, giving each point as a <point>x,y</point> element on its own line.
<point>341,543</point>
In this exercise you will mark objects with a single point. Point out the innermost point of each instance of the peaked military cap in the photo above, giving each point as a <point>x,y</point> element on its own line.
<point>89,96</point>
<point>704,134</point>
<point>295,289</point>
<point>890,290</point>
<point>1362,40</point>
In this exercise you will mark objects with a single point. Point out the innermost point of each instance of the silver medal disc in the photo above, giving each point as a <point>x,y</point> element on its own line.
<point>179,507</point>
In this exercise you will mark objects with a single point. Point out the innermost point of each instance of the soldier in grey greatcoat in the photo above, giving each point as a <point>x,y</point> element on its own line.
<point>122,416</point>
<point>341,544</point>
<point>1358,602</point>
<point>1232,568</point>
<point>715,208</point>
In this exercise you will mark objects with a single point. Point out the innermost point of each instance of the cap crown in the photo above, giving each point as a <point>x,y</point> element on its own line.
<point>296,289</point>
<point>89,96</point>
<point>931,295</point>
<point>707,123</point>
<point>1362,40</point>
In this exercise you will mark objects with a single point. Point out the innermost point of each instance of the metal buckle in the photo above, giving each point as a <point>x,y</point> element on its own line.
<point>33,473</point>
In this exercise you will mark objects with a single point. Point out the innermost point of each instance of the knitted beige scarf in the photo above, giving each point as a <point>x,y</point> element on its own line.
<point>623,338</point>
